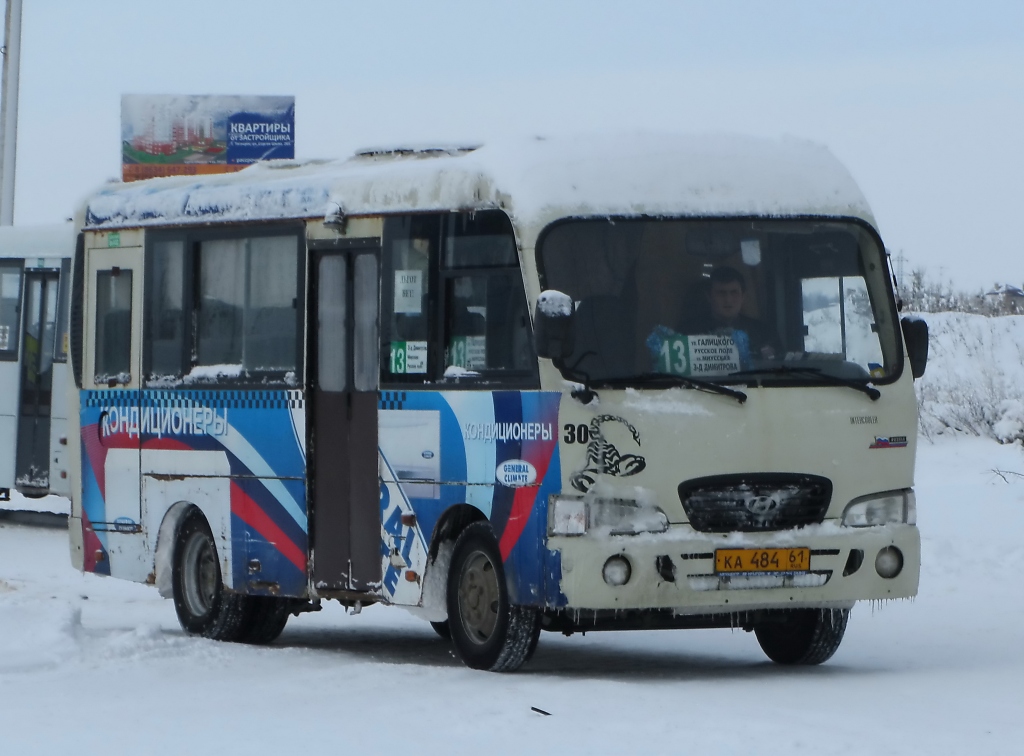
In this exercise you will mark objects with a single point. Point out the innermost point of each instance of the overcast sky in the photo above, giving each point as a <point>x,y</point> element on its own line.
<point>923,101</point>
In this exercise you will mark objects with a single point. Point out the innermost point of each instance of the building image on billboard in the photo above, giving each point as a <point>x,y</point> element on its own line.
<point>172,135</point>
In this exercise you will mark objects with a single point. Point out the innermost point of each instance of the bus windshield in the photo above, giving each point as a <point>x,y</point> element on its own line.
<point>781,300</point>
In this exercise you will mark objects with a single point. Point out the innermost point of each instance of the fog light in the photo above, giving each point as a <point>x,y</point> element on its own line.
<point>889,562</point>
<point>616,570</point>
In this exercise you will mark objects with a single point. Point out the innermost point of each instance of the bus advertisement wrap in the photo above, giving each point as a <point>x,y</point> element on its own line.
<point>174,135</point>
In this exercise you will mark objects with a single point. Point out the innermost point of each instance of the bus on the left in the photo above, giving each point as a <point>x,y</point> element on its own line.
<point>35,277</point>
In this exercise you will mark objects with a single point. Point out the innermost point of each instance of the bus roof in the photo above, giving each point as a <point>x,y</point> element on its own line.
<point>536,180</point>
<point>53,240</point>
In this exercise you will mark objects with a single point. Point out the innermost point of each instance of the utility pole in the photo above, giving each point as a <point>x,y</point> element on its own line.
<point>9,110</point>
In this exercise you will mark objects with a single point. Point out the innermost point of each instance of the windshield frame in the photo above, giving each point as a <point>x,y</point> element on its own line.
<point>754,378</point>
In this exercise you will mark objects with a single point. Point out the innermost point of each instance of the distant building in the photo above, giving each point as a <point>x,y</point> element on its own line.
<point>1005,296</point>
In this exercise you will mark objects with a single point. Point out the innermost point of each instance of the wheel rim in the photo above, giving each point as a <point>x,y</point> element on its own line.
<point>479,597</point>
<point>202,577</point>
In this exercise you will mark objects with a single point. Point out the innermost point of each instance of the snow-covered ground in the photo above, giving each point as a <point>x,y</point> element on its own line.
<point>975,378</point>
<point>97,666</point>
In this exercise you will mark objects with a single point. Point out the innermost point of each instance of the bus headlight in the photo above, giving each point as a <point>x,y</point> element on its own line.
<point>570,516</point>
<point>881,509</point>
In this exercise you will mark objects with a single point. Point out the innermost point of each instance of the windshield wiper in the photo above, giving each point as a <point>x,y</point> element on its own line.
<point>669,379</point>
<point>854,383</point>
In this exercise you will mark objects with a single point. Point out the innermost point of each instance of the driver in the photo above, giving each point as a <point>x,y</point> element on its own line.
<point>725,298</point>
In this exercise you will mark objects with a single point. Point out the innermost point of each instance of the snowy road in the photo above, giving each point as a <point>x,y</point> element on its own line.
<point>91,665</point>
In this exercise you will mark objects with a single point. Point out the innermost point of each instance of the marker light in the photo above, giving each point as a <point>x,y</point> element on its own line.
<point>616,570</point>
<point>889,562</point>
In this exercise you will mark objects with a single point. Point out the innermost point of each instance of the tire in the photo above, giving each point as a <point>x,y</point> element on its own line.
<point>803,636</point>
<point>203,606</point>
<point>487,632</point>
<point>534,640</point>
<point>265,619</point>
<point>442,629</point>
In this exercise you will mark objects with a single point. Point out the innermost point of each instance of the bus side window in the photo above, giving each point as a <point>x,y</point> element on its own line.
<point>481,324</point>
<point>165,312</point>
<point>60,346</point>
<point>406,325</point>
<point>488,326</point>
<point>113,325</point>
<point>487,323</point>
<point>10,301</point>
<point>222,309</point>
<point>246,304</point>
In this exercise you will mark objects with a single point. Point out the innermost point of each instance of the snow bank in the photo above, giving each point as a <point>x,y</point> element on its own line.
<point>974,383</point>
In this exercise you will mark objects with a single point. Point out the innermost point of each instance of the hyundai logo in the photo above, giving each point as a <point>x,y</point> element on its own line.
<point>761,505</point>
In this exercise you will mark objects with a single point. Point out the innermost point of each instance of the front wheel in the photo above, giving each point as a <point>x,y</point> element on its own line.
<point>265,619</point>
<point>203,606</point>
<point>802,636</point>
<point>486,631</point>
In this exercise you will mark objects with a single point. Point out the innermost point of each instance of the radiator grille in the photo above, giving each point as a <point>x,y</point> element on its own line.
<point>755,502</point>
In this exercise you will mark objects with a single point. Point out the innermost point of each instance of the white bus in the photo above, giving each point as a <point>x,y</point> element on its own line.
<point>565,385</point>
<point>35,274</point>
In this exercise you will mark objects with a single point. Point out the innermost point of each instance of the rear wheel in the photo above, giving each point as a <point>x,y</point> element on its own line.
<point>802,636</point>
<point>203,606</point>
<point>486,631</point>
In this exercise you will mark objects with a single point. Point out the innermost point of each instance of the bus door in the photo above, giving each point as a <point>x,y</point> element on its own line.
<point>344,345</point>
<point>39,326</point>
<point>110,417</point>
<point>10,368</point>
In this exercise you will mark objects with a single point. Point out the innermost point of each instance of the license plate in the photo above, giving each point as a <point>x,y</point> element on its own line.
<point>763,560</point>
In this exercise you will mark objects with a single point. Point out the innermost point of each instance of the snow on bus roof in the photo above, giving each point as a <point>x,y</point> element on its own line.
<point>536,179</point>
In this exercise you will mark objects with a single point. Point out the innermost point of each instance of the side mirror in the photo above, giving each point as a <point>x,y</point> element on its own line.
<point>915,334</point>
<point>553,325</point>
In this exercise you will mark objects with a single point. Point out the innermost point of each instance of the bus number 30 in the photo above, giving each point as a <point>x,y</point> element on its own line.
<point>576,434</point>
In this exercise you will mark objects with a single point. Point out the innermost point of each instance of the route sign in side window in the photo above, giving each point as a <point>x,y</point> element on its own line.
<point>487,325</point>
<point>10,308</point>
<point>407,322</point>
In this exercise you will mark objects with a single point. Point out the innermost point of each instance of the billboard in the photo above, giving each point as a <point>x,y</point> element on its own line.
<point>182,135</point>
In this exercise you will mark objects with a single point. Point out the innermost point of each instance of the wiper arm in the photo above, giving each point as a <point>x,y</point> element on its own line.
<point>835,380</point>
<point>670,379</point>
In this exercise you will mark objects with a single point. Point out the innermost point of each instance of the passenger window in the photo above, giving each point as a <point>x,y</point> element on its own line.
<point>222,309</point>
<point>165,324</point>
<point>113,325</point>
<point>10,300</point>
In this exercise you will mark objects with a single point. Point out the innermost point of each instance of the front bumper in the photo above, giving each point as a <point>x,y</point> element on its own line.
<point>676,569</point>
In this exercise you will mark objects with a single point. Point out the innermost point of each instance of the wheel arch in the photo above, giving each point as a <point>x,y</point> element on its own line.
<point>167,536</point>
<point>448,526</point>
